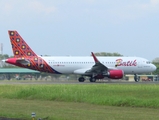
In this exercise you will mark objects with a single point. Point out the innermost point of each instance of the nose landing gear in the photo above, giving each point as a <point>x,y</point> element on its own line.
<point>136,78</point>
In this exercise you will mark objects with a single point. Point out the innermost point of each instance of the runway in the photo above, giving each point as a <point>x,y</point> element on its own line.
<point>73,82</point>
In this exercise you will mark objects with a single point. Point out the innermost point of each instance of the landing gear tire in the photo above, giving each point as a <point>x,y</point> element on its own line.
<point>92,79</point>
<point>81,79</point>
<point>136,78</point>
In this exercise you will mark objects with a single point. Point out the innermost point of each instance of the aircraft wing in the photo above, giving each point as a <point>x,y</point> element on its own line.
<point>98,68</point>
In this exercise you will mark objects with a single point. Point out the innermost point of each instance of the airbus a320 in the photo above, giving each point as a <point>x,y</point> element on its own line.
<point>91,66</point>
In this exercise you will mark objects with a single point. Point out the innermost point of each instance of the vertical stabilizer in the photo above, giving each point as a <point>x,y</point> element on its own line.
<point>19,46</point>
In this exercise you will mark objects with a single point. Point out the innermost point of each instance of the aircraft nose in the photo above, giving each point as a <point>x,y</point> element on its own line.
<point>154,67</point>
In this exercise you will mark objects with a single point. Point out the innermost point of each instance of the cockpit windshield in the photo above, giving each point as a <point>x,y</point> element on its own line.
<point>148,62</point>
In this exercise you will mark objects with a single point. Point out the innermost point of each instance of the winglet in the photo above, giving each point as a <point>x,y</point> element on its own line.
<point>95,58</point>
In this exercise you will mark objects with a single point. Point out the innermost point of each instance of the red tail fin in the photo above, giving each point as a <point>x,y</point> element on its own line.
<point>19,46</point>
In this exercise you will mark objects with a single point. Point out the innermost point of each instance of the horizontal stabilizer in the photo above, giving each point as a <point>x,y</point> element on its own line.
<point>17,61</point>
<point>23,61</point>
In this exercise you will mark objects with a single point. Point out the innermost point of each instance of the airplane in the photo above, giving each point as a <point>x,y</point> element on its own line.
<point>86,66</point>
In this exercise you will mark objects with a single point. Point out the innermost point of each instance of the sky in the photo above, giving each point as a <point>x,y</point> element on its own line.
<point>79,27</point>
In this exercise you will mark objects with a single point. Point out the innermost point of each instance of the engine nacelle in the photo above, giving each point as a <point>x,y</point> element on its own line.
<point>115,74</point>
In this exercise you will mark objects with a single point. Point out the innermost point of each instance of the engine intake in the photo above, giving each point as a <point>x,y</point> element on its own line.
<point>115,74</point>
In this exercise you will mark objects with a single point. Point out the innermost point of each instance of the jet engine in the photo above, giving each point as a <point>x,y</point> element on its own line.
<point>115,74</point>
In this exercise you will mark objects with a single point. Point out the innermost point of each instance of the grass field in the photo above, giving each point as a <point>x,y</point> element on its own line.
<point>81,101</point>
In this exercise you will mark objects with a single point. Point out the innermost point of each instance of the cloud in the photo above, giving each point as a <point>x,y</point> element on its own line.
<point>39,7</point>
<point>30,7</point>
<point>86,10</point>
<point>133,10</point>
<point>14,13</point>
<point>90,1</point>
<point>151,5</point>
<point>154,2</point>
<point>7,8</point>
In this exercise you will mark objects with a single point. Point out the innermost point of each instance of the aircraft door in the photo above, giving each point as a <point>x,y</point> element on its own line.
<point>140,64</point>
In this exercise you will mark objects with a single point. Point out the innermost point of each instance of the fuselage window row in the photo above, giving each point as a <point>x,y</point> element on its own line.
<point>80,62</point>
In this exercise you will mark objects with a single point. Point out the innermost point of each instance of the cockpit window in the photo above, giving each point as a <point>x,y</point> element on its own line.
<point>148,62</point>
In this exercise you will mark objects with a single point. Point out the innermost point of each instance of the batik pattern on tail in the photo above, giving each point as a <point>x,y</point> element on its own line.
<point>21,50</point>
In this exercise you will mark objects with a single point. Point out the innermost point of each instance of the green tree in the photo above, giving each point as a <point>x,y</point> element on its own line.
<point>4,56</point>
<point>3,64</point>
<point>156,63</point>
<point>107,54</point>
<point>156,60</point>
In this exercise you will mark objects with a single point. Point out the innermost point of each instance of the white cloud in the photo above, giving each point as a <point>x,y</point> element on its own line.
<point>7,8</point>
<point>152,6</point>
<point>90,1</point>
<point>133,10</point>
<point>91,10</point>
<point>154,2</point>
<point>39,7</point>
<point>30,7</point>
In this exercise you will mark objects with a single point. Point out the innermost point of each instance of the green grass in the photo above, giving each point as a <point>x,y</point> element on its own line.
<point>99,94</point>
<point>80,101</point>
<point>54,110</point>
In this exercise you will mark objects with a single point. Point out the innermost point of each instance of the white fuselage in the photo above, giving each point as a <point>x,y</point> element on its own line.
<point>78,65</point>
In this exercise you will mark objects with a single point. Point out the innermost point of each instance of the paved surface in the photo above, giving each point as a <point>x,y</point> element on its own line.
<point>73,82</point>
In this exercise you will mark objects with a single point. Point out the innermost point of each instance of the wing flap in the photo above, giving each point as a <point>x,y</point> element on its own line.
<point>82,71</point>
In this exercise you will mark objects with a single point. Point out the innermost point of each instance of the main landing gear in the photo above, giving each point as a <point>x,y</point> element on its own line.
<point>136,78</point>
<point>92,79</point>
<point>81,79</point>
